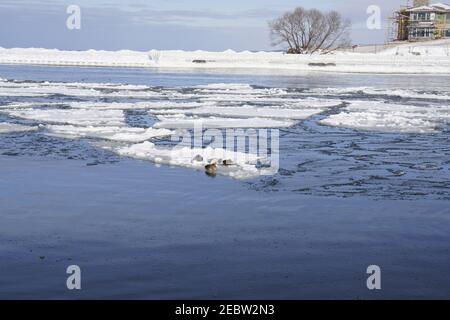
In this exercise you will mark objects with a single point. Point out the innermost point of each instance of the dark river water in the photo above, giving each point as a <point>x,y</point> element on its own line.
<point>371,191</point>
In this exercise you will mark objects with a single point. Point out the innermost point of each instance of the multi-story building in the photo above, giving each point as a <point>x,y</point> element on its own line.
<point>424,21</point>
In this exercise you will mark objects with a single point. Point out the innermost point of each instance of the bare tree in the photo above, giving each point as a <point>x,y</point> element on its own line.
<point>309,31</point>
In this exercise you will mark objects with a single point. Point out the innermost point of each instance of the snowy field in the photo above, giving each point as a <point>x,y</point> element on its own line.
<point>409,58</point>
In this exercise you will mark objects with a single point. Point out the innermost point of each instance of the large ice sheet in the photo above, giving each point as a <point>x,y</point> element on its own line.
<point>246,112</point>
<point>288,100</point>
<point>227,86</point>
<point>181,121</point>
<point>371,91</point>
<point>122,134</point>
<point>244,164</point>
<point>30,105</point>
<point>109,106</point>
<point>11,88</point>
<point>138,105</point>
<point>11,127</point>
<point>80,117</point>
<point>379,116</point>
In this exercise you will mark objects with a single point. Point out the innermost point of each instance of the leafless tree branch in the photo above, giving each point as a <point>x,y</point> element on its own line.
<point>310,31</point>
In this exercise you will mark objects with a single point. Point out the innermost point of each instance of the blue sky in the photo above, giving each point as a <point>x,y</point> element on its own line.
<point>166,24</point>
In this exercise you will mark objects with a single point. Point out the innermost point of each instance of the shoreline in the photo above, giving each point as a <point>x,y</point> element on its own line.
<point>225,70</point>
<point>402,60</point>
<point>231,70</point>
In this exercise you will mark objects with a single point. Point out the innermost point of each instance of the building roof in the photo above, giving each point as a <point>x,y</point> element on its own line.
<point>441,6</point>
<point>436,7</point>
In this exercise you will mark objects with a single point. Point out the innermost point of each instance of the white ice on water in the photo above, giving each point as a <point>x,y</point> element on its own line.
<point>245,112</point>
<point>136,105</point>
<point>244,164</point>
<point>110,105</point>
<point>227,86</point>
<point>37,89</point>
<point>6,127</point>
<point>121,134</point>
<point>28,105</point>
<point>371,91</point>
<point>82,117</point>
<point>380,116</point>
<point>220,106</point>
<point>181,121</point>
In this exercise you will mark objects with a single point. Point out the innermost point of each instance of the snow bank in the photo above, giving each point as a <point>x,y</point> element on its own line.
<point>438,48</point>
<point>124,58</point>
<point>433,59</point>
<point>379,116</point>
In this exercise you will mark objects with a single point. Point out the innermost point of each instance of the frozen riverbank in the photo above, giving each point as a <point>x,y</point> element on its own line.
<point>428,58</point>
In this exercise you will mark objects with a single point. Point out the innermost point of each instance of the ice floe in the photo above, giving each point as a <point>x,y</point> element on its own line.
<point>227,86</point>
<point>403,93</point>
<point>11,127</point>
<point>122,114</point>
<point>121,134</point>
<point>109,105</point>
<point>288,100</point>
<point>29,105</point>
<point>82,117</point>
<point>238,89</point>
<point>245,112</point>
<point>379,116</point>
<point>137,105</point>
<point>181,121</point>
<point>244,164</point>
<point>38,89</point>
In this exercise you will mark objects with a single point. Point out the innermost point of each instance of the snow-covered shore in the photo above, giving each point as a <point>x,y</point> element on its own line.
<point>409,58</point>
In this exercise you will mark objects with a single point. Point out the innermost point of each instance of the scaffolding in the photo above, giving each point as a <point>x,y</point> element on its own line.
<point>391,27</point>
<point>440,26</point>
<point>397,25</point>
